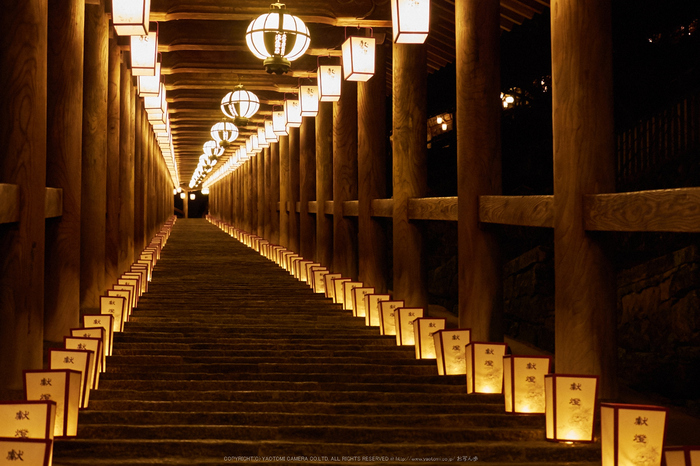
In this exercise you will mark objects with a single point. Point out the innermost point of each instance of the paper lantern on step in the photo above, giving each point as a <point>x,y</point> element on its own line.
<point>90,344</point>
<point>319,279</point>
<point>339,290</point>
<point>403,322</point>
<point>306,275</point>
<point>523,383</point>
<point>103,321</point>
<point>570,407</point>
<point>26,450</point>
<point>94,332</point>
<point>485,367</point>
<point>33,419</point>
<point>358,58</point>
<point>387,316</point>
<point>328,280</point>
<point>347,295</point>
<point>358,300</point>
<point>450,347</point>
<point>423,330</point>
<point>61,386</point>
<point>372,317</point>
<point>77,360</point>
<point>682,456</point>
<point>632,434</point>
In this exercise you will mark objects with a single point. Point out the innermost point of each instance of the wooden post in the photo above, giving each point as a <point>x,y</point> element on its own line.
<point>584,163</point>
<point>479,166</point>
<point>153,151</point>
<point>274,192</point>
<point>267,212</point>
<point>307,174</point>
<point>409,176</point>
<point>112,176</point>
<point>138,174</point>
<point>186,204</point>
<point>293,186</point>
<point>284,190</point>
<point>250,195</point>
<point>145,159</point>
<point>324,183</point>
<point>23,33</point>
<point>94,167</point>
<point>371,171</point>
<point>260,185</point>
<point>63,163</point>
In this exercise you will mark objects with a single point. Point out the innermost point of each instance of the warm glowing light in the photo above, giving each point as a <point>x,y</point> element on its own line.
<point>130,17</point>
<point>439,120</point>
<point>523,383</point>
<point>262,138</point>
<point>205,191</point>
<point>224,133</point>
<point>403,322</point>
<point>444,126</point>
<point>279,123</point>
<point>213,149</point>
<point>144,50</point>
<point>450,349</point>
<point>329,83</point>
<point>192,196</point>
<point>631,434</point>
<point>485,367</point>
<point>410,21</point>
<point>292,112</point>
<point>149,86</point>
<point>423,329</point>
<point>358,58</point>
<point>240,105</point>
<point>308,97</point>
<point>270,134</point>
<point>570,402</point>
<point>183,195</point>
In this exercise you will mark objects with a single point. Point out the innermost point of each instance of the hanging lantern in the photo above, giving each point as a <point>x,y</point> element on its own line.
<point>523,383</point>
<point>403,322</point>
<point>243,154</point>
<point>387,320</point>
<point>240,105</point>
<point>279,123</point>
<point>632,434</point>
<point>61,386</point>
<point>372,308</point>
<point>308,98</point>
<point>224,133</point>
<point>149,85</point>
<point>205,191</point>
<point>278,38</point>
<point>423,330</point>
<point>570,407</point>
<point>410,21</point>
<point>262,138</point>
<point>254,142</point>
<point>682,456</point>
<point>450,347</point>
<point>485,367</point>
<point>270,134</point>
<point>192,196</point>
<point>358,58</point>
<point>183,195</point>
<point>329,83</point>
<point>144,50</point>
<point>292,112</point>
<point>212,149</point>
<point>130,17</point>
<point>156,105</point>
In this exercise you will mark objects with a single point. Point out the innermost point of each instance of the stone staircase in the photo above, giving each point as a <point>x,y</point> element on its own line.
<point>228,359</point>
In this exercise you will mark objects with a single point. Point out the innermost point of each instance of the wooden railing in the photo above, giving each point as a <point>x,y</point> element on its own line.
<point>10,199</point>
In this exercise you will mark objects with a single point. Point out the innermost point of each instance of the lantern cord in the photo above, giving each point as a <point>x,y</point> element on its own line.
<point>371,32</point>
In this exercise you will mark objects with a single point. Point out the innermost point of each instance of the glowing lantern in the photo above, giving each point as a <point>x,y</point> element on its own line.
<point>570,407</point>
<point>156,105</point>
<point>94,321</point>
<point>523,383</point>
<point>308,97</point>
<point>387,320</point>
<point>61,386</point>
<point>358,300</point>
<point>262,138</point>
<point>423,330</point>
<point>410,21</point>
<point>372,317</point>
<point>403,322</point>
<point>278,38</point>
<point>347,295</point>
<point>240,105</point>
<point>34,419</point>
<point>307,275</point>
<point>682,456</point>
<point>450,347</point>
<point>301,271</point>
<point>319,282</point>
<point>144,51</point>
<point>224,133</point>
<point>27,450</point>
<point>90,344</point>
<point>192,196</point>
<point>358,58</point>
<point>205,191</point>
<point>256,146</point>
<point>270,134</point>
<point>279,123</point>
<point>183,195</point>
<point>330,291</point>
<point>485,367</point>
<point>329,83</point>
<point>292,111</point>
<point>631,434</point>
<point>338,287</point>
<point>130,17</point>
<point>78,360</point>
<point>94,332</point>
<point>212,149</point>
<point>149,85</point>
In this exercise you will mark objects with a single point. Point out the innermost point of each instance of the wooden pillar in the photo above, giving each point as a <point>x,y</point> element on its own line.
<point>153,152</point>
<point>345,180</point>
<point>145,163</point>
<point>186,204</point>
<point>274,192</point>
<point>324,183</point>
<point>307,174</point>
<point>584,163</point>
<point>138,174</point>
<point>260,185</point>
<point>63,163</point>
<point>267,213</point>
<point>112,176</point>
<point>371,171</point>
<point>479,166</point>
<point>249,195</point>
<point>94,166</point>
<point>284,190</point>
<point>409,174</point>
<point>23,33</point>
<point>293,186</point>
<point>253,190</point>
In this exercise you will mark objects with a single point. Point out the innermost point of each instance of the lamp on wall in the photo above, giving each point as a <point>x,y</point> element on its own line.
<point>358,58</point>
<point>631,434</point>
<point>523,383</point>
<point>205,191</point>
<point>329,83</point>
<point>410,21</point>
<point>240,105</point>
<point>130,17</point>
<point>144,51</point>
<point>278,38</point>
<point>183,195</point>
<point>570,407</point>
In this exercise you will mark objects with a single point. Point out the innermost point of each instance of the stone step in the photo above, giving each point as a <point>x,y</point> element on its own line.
<point>282,342</point>
<point>303,461</point>
<point>243,352</point>
<point>291,361</point>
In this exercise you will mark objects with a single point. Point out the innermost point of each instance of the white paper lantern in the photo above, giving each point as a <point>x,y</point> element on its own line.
<point>61,386</point>
<point>292,112</point>
<point>410,21</point>
<point>130,17</point>
<point>485,367</point>
<point>279,123</point>
<point>240,105</point>
<point>682,456</point>
<point>632,434</point>
<point>329,83</point>
<point>423,330</point>
<point>387,316</point>
<point>403,322</point>
<point>308,98</point>
<point>523,383</point>
<point>144,52</point>
<point>358,58</point>
<point>262,138</point>
<point>270,134</point>
<point>450,347</point>
<point>570,407</point>
<point>150,85</point>
<point>224,133</point>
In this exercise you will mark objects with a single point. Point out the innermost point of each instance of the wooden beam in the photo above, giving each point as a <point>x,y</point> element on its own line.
<point>328,207</point>
<point>351,208</point>
<point>433,208</point>
<point>9,207</point>
<point>676,210</point>
<point>382,207</point>
<point>53,202</point>
<point>527,211</point>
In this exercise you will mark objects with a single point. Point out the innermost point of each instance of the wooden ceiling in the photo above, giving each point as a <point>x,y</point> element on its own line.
<point>204,55</point>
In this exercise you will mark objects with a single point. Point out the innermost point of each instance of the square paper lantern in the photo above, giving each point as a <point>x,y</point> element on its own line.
<point>308,98</point>
<point>387,318</point>
<point>450,347</point>
<point>130,17</point>
<point>319,279</point>
<point>485,367</point>
<point>632,434</point>
<point>682,456</point>
<point>91,321</point>
<point>77,360</point>
<point>61,386</point>
<point>90,344</point>
<point>115,307</point>
<point>403,322</point>
<point>28,451</point>
<point>329,83</point>
<point>358,300</point>
<point>126,292</point>
<point>328,280</point>
<point>358,58</point>
<point>347,295</point>
<point>262,138</point>
<point>135,279</point>
<point>28,419</point>
<point>292,111</point>
<point>423,330</point>
<point>94,332</point>
<point>270,134</point>
<point>523,383</point>
<point>338,290</point>
<point>410,21</point>
<point>307,275</point>
<point>372,317</point>
<point>144,50</point>
<point>570,407</point>
<point>279,123</point>
<point>149,86</point>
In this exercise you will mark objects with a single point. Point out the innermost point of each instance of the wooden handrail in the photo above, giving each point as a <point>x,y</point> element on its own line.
<point>528,211</point>
<point>433,208</point>
<point>9,203</point>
